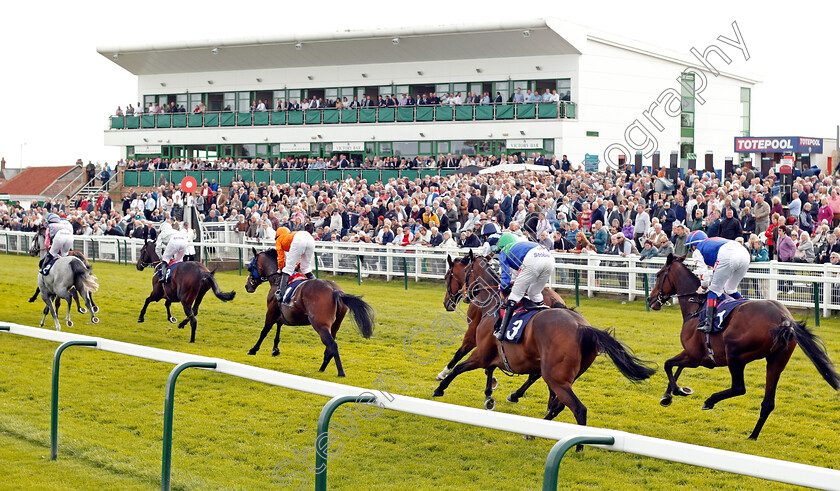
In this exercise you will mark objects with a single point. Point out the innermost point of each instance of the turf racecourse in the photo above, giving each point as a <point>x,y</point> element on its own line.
<point>232,434</point>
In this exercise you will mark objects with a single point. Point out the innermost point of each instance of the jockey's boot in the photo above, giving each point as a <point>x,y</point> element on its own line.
<point>706,325</point>
<point>164,273</point>
<point>310,276</point>
<point>500,333</point>
<point>281,288</point>
<point>46,264</point>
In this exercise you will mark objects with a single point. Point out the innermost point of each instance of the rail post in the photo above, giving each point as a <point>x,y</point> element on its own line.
<point>321,447</point>
<point>240,260</point>
<point>577,288</point>
<point>358,269</point>
<point>119,252</point>
<point>817,304</point>
<point>7,243</point>
<point>93,250</point>
<point>54,397</point>
<point>5,328</point>
<point>647,293</point>
<point>405,272</point>
<point>169,409</point>
<point>552,463</point>
<point>317,272</point>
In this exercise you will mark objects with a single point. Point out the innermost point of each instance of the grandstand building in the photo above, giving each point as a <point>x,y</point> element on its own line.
<point>611,97</point>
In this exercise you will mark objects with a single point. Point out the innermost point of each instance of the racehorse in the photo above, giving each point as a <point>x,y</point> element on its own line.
<point>756,329</point>
<point>66,273</point>
<point>188,284</point>
<point>38,249</point>
<point>557,343</point>
<point>319,303</point>
<point>455,279</point>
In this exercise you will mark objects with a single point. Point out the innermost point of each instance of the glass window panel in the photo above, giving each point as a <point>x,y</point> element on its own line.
<point>149,99</point>
<point>386,90</point>
<point>360,93</point>
<point>347,92</point>
<point>745,125</point>
<point>401,89</point>
<point>227,150</point>
<point>262,149</point>
<point>459,88</point>
<point>315,148</point>
<point>548,146</point>
<point>405,148</point>
<point>501,146</point>
<point>442,88</point>
<point>687,120</point>
<point>385,148</point>
<point>745,94</point>
<point>230,101</point>
<point>181,100</point>
<point>163,100</point>
<point>425,147</point>
<point>520,84</point>
<point>464,147</point>
<point>129,151</point>
<point>370,148</point>
<point>247,150</point>
<point>477,88</point>
<point>195,100</point>
<point>688,105</point>
<point>330,93</point>
<point>212,152</point>
<point>443,147</point>
<point>564,89</point>
<point>243,101</point>
<point>328,148</point>
<point>294,95</point>
<point>485,147</point>
<point>745,109</point>
<point>275,149</point>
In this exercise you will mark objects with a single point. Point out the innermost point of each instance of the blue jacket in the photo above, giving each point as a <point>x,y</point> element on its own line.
<point>710,247</point>
<point>513,259</point>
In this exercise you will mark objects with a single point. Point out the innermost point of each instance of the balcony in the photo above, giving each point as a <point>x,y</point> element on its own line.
<point>398,114</point>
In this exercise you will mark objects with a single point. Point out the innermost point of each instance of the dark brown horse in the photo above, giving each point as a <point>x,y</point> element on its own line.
<point>455,279</point>
<point>557,343</point>
<point>38,249</point>
<point>755,329</point>
<point>319,303</point>
<point>188,284</point>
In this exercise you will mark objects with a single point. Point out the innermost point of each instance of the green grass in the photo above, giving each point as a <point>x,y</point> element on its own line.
<point>231,433</point>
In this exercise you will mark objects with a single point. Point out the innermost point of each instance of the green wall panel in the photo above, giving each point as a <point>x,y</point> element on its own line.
<point>484,113</point>
<point>179,120</point>
<point>464,113</point>
<point>425,113</point>
<point>313,117</point>
<point>227,177</point>
<point>260,119</point>
<point>331,116</point>
<point>117,122</point>
<point>526,111</point>
<point>349,115</point>
<point>243,119</point>
<point>227,119</point>
<point>164,120</point>
<point>505,111</point>
<point>211,119</point>
<point>367,115</point>
<point>132,122</point>
<point>443,113</point>
<point>386,114</point>
<point>130,177</point>
<point>405,114</point>
<point>278,117</point>
<point>297,175</point>
<point>294,117</point>
<point>547,110</point>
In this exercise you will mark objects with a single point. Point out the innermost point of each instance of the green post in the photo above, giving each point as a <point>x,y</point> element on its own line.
<point>93,249</point>
<point>321,447</point>
<point>54,405</point>
<point>240,261</point>
<point>119,252</point>
<point>7,243</point>
<point>317,272</point>
<point>5,328</point>
<point>647,293</point>
<point>405,272</point>
<point>552,463</point>
<point>169,409</point>
<point>817,304</point>
<point>358,269</point>
<point>577,288</point>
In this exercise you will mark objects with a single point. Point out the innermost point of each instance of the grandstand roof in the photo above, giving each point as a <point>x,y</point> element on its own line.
<point>34,180</point>
<point>349,47</point>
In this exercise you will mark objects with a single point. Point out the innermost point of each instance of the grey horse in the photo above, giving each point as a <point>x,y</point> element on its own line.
<point>38,249</point>
<point>67,273</point>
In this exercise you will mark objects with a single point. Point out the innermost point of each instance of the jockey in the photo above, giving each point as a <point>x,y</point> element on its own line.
<point>176,247</point>
<point>728,261</point>
<point>293,248</point>
<point>166,233</point>
<point>58,240</point>
<point>535,266</point>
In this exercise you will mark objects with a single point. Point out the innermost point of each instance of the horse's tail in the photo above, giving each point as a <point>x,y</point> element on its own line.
<point>223,296</point>
<point>83,279</point>
<point>363,314</point>
<point>811,344</point>
<point>622,356</point>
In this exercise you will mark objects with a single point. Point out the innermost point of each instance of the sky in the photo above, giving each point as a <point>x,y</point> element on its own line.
<point>59,91</point>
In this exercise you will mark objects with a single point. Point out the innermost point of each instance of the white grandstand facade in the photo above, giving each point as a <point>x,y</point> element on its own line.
<point>617,97</point>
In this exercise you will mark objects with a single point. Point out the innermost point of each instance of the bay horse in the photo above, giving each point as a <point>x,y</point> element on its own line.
<point>455,279</point>
<point>319,303</point>
<point>38,249</point>
<point>756,329</point>
<point>67,273</point>
<point>557,343</point>
<point>188,284</point>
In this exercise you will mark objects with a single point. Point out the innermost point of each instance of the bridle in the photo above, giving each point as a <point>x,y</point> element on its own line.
<point>144,254</point>
<point>254,273</point>
<point>468,290</point>
<point>660,297</point>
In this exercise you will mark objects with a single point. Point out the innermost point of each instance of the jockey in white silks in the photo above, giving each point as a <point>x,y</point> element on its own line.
<point>59,240</point>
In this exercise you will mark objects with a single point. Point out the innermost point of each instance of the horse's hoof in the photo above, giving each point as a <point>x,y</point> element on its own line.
<point>69,324</point>
<point>443,373</point>
<point>95,320</point>
<point>341,375</point>
<point>31,299</point>
<point>437,393</point>
<point>683,391</point>
<point>95,309</point>
<point>489,404</point>
<point>707,406</point>
<point>276,352</point>
<point>494,384</point>
<point>665,401</point>
<point>83,310</point>
<point>529,437</point>
<point>252,352</point>
<point>513,399</point>
<point>173,320</point>
<point>140,320</point>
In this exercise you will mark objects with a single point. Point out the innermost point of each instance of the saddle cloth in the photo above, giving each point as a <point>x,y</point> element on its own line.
<point>294,281</point>
<point>722,313</point>
<point>518,321</point>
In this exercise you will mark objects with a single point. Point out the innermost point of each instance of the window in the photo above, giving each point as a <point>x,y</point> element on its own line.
<point>468,147</point>
<point>548,146</point>
<point>386,90</point>
<point>405,148</point>
<point>181,100</point>
<point>229,101</point>
<point>441,89</point>
<point>745,111</point>
<point>149,99</point>
<point>315,148</point>
<point>348,93</point>
<point>503,88</point>
<point>385,149</point>
<point>686,116</point>
<point>443,147</point>
<point>330,94</point>
<point>564,89</point>
<point>462,88</point>
<point>262,150</point>
<point>278,95</point>
<point>243,102</point>
<point>328,149</point>
<point>247,150</point>
<point>275,149</point>
<point>227,150</point>
<point>687,120</point>
<point>425,148</point>
<point>195,100</point>
<point>294,95</point>
<point>401,89</point>
<point>477,88</point>
<point>592,133</point>
<point>370,148</point>
<point>129,151</point>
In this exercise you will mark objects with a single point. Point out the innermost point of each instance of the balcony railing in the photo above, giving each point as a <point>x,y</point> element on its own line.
<point>393,114</point>
<point>132,178</point>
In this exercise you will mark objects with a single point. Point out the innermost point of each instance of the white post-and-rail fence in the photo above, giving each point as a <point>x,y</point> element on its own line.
<point>567,434</point>
<point>797,285</point>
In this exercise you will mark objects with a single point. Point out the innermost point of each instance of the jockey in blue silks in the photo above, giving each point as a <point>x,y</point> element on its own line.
<point>535,266</point>
<point>728,261</point>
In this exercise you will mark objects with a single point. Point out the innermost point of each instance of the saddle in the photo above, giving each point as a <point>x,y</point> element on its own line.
<point>724,308</point>
<point>295,281</point>
<point>46,265</point>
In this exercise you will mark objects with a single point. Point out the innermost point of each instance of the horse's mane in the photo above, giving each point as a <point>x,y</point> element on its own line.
<point>692,277</point>
<point>272,253</point>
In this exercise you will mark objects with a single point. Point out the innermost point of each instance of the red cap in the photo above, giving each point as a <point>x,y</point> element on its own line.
<point>62,216</point>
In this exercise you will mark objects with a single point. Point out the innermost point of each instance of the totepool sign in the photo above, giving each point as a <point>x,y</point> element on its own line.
<point>749,144</point>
